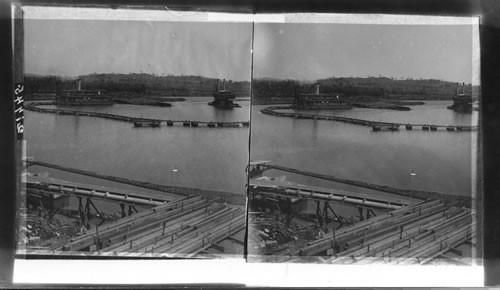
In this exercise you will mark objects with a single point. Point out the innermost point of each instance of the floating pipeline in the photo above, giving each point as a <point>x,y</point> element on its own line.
<point>137,122</point>
<point>376,126</point>
<point>142,103</point>
<point>376,106</point>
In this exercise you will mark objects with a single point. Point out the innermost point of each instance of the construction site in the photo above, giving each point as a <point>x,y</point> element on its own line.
<point>396,226</point>
<point>180,222</point>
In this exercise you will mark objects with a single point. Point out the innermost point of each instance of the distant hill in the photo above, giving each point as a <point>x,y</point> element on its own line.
<point>137,84</point>
<point>371,87</point>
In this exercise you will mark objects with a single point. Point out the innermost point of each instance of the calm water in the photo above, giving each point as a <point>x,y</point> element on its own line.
<point>442,160</point>
<point>209,158</point>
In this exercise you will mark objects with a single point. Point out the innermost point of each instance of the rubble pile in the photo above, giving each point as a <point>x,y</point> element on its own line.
<point>266,232</point>
<point>42,232</point>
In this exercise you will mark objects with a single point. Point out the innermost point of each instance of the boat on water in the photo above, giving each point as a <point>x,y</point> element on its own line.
<point>318,101</point>
<point>223,99</point>
<point>81,97</point>
<point>462,102</point>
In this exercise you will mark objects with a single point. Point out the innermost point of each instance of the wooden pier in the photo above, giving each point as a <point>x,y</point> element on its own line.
<point>376,126</point>
<point>138,122</point>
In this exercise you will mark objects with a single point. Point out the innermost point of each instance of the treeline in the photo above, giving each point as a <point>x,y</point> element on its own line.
<point>137,84</point>
<point>371,87</point>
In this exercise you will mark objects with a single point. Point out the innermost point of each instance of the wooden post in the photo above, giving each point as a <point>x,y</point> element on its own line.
<point>96,210</point>
<point>87,209</point>
<point>122,206</point>
<point>98,239</point>
<point>325,212</point>
<point>361,217</point>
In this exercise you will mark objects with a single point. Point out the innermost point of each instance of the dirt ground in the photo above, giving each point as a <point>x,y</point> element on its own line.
<point>41,232</point>
<point>271,233</point>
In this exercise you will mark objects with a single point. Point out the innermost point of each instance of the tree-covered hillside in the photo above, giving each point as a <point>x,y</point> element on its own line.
<point>356,88</point>
<point>137,84</point>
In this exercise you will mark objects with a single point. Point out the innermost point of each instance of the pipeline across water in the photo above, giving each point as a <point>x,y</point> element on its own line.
<point>377,126</point>
<point>138,122</point>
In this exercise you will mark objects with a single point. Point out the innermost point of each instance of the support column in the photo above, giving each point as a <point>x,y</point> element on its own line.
<point>361,216</point>
<point>122,206</point>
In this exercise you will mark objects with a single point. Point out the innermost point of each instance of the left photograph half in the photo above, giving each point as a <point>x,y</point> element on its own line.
<point>136,132</point>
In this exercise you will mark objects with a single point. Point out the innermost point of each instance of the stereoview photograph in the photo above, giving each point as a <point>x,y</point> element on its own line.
<point>363,142</point>
<point>136,134</point>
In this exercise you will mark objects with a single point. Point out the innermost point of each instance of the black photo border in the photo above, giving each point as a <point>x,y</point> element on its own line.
<point>488,10</point>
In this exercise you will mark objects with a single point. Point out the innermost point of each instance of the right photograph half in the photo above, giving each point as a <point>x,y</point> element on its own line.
<point>365,141</point>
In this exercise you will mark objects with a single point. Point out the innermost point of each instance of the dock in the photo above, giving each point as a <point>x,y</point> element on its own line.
<point>376,126</point>
<point>138,122</point>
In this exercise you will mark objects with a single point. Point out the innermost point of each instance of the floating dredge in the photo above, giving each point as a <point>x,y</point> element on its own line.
<point>223,99</point>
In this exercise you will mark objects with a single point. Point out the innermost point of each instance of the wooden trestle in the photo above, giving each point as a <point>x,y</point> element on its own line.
<point>365,200</point>
<point>414,234</point>
<point>180,228</point>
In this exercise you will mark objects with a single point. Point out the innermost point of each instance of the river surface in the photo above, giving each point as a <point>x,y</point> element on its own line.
<point>207,158</point>
<point>442,161</point>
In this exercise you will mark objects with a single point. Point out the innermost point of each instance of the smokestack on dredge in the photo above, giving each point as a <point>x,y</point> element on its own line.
<point>462,103</point>
<point>319,101</point>
<point>222,98</point>
<point>80,97</point>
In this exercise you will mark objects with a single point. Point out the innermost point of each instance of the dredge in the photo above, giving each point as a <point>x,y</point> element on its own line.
<point>462,103</point>
<point>223,99</point>
<point>318,101</point>
<point>81,97</point>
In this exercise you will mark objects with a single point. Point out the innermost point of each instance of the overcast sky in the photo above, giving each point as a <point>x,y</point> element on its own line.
<point>78,47</point>
<point>315,51</point>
